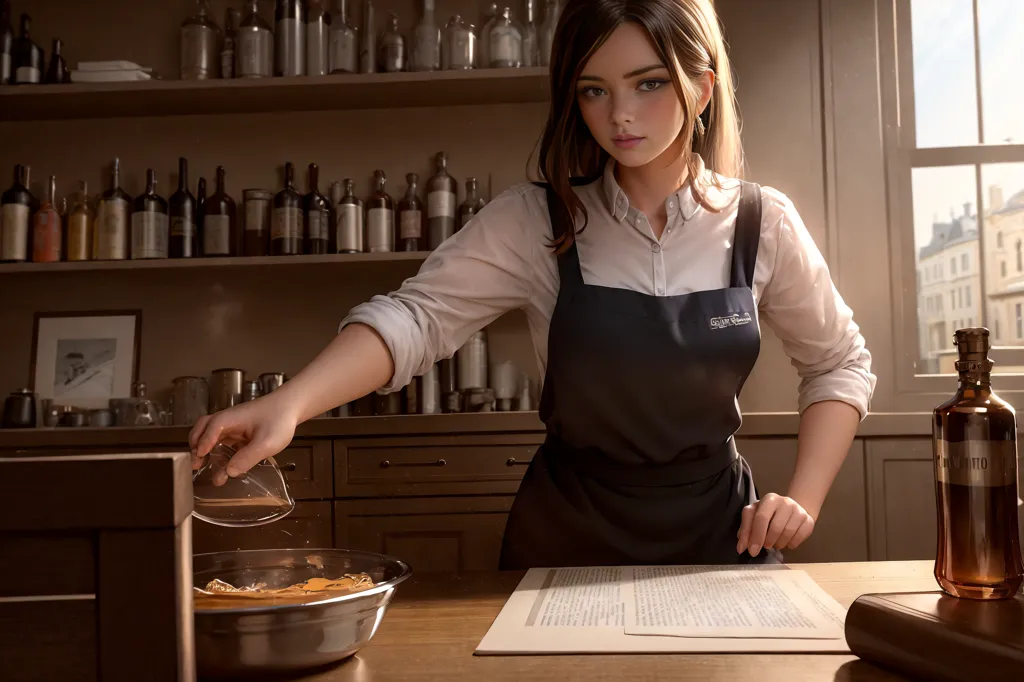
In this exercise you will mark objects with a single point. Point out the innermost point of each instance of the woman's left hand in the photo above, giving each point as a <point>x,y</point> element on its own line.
<point>773,522</point>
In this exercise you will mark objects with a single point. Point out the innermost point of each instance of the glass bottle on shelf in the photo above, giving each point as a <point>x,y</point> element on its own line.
<point>380,216</point>
<point>441,200</point>
<point>318,215</point>
<point>426,41</point>
<point>255,44</point>
<point>15,219</point>
<point>6,42</point>
<point>199,37</point>
<point>58,70</point>
<point>149,222</point>
<point>286,226</point>
<point>410,217</point>
<point>490,15</point>
<point>505,42</point>
<point>391,47</point>
<point>220,227</point>
<point>258,208</point>
<point>318,39</point>
<point>546,37</point>
<point>46,228</point>
<point>472,205</point>
<point>184,237</point>
<point>459,45</point>
<point>200,211</point>
<point>531,47</point>
<point>27,56</point>
<point>350,235</point>
<point>344,41</point>
<point>229,51</point>
<point>80,225</point>
<point>368,40</point>
<point>110,236</point>
<point>289,38</point>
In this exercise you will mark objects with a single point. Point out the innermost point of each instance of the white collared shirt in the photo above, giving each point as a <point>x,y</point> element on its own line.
<point>501,260</point>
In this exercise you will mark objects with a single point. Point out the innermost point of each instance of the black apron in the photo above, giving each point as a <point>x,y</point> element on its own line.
<point>640,401</point>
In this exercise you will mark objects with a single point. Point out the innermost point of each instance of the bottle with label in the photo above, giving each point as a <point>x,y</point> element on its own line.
<point>58,71</point>
<point>441,191</point>
<point>15,219</point>
<point>6,42</point>
<point>546,35</point>
<point>184,239</point>
<point>318,39</point>
<point>410,217</point>
<point>490,15</point>
<point>505,42</point>
<point>287,226</point>
<point>426,41</point>
<point>391,47</point>
<point>344,48</point>
<point>27,56</point>
<point>200,211</point>
<point>150,229</point>
<point>255,44</point>
<point>531,44</point>
<point>80,225</point>
<point>348,228</point>
<point>258,208</point>
<point>459,45</point>
<point>472,205</point>
<point>317,211</point>
<point>199,37</point>
<point>368,40</point>
<point>289,38</point>
<point>110,236</point>
<point>380,216</point>
<point>974,438</point>
<point>47,236</point>
<point>220,229</point>
<point>229,50</point>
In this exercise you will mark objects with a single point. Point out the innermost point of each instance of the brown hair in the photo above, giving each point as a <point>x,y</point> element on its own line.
<point>688,39</point>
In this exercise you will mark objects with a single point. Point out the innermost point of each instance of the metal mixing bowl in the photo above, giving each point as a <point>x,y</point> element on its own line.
<point>289,638</point>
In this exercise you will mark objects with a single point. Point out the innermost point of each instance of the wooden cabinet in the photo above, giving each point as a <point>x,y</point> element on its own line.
<point>309,525</point>
<point>309,469</point>
<point>448,534</point>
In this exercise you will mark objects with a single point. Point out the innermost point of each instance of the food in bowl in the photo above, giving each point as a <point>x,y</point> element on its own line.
<point>219,594</point>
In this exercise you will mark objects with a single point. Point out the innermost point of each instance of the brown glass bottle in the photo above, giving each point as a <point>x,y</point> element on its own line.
<point>410,217</point>
<point>975,448</point>
<point>317,215</point>
<point>184,242</point>
<point>47,235</point>
<point>150,232</point>
<point>200,212</point>
<point>286,225</point>
<point>380,216</point>
<point>471,206</point>
<point>113,216</point>
<point>16,219</point>
<point>220,228</point>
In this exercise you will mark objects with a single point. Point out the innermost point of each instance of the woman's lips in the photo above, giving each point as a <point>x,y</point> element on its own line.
<point>626,141</point>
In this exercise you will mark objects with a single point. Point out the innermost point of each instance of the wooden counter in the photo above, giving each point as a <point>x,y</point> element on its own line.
<point>435,623</point>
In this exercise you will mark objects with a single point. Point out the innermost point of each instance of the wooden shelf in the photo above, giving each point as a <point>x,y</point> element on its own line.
<point>233,262</point>
<point>302,93</point>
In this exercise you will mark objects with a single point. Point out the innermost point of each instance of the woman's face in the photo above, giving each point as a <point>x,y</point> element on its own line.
<point>628,101</point>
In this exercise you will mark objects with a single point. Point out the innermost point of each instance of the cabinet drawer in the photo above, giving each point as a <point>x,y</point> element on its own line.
<point>308,468</point>
<point>441,465</point>
<point>310,524</point>
<point>432,535</point>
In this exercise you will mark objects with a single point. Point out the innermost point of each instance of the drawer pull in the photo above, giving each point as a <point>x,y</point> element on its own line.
<point>511,462</point>
<point>289,466</point>
<point>387,463</point>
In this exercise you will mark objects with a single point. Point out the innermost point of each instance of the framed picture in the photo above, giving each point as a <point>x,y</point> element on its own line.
<point>85,358</point>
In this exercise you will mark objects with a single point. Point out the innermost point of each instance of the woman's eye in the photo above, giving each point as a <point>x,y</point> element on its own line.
<point>651,85</point>
<point>591,91</point>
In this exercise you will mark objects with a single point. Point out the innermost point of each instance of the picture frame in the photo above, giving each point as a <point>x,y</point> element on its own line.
<point>85,358</point>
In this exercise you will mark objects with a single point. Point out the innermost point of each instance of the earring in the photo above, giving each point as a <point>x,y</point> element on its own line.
<point>699,125</point>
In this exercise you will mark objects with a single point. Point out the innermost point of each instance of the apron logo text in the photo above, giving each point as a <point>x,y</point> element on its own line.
<point>733,320</point>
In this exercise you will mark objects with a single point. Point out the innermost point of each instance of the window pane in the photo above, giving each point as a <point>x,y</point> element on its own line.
<point>1004,285</point>
<point>945,95</point>
<point>1001,34</point>
<point>945,232</point>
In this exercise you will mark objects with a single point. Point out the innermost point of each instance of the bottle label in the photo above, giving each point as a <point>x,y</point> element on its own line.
<point>976,463</point>
<point>318,224</point>
<point>112,230</point>
<point>79,236</point>
<point>380,229</point>
<point>217,235</point>
<point>256,216</point>
<point>14,232</point>
<point>182,227</point>
<point>412,224</point>
<point>503,46</point>
<point>149,235</point>
<point>287,223</point>
<point>441,204</point>
<point>350,228</point>
<point>27,74</point>
<point>344,53</point>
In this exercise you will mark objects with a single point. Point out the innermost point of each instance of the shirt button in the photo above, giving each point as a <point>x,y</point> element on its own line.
<point>671,204</point>
<point>661,291</point>
<point>655,248</point>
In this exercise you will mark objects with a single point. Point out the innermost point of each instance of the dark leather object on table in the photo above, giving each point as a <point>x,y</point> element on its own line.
<point>932,636</point>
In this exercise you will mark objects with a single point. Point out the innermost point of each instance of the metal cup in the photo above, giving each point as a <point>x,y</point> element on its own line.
<point>190,400</point>
<point>226,388</point>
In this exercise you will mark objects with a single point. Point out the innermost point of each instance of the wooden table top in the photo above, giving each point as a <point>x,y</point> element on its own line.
<point>435,623</point>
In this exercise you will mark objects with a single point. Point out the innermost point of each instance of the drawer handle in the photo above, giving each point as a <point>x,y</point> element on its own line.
<point>511,462</point>
<point>289,466</point>
<point>387,463</point>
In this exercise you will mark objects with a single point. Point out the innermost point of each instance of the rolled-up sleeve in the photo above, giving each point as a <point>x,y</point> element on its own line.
<point>474,277</point>
<point>816,326</point>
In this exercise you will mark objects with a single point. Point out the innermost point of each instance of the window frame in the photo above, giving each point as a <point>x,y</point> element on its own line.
<point>915,390</point>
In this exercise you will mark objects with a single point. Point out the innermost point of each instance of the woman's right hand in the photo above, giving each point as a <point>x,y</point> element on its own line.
<point>257,429</point>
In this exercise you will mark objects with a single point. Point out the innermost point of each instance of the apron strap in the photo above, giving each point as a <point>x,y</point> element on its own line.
<point>569,271</point>
<point>747,235</point>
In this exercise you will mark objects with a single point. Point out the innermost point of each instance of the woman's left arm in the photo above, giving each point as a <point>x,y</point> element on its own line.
<point>799,301</point>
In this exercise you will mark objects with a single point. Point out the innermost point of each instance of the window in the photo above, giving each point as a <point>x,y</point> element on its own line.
<point>958,164</point>
<point>995,329</point>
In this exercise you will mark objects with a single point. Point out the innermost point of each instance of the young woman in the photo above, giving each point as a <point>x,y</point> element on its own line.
<point>644,268</point>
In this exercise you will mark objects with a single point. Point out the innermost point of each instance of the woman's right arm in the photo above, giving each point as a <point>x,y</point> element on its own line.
<point>482,272</point>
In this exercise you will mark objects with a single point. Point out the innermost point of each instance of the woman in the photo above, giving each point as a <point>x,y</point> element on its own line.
<point>644,278</point>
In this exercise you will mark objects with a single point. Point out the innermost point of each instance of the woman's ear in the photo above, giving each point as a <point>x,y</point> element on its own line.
<point>707,87</point>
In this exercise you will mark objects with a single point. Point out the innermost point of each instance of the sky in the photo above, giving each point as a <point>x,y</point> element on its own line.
<point>945,99</point>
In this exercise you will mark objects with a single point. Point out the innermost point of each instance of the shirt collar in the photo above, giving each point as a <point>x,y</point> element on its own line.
<point>681,201</point>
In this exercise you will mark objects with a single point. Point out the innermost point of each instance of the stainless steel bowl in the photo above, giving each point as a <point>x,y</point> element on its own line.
<point>289,638</point>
